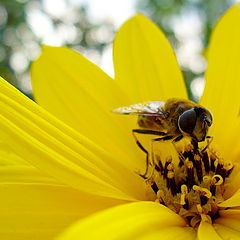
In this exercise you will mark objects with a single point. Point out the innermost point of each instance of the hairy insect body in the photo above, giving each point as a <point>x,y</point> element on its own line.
<point>167,121</point>
<point>174,117</point>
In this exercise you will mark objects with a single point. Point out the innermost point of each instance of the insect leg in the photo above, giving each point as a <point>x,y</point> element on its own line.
<point>210,139</point>
<point>149,132</point>
<point>165,138</point>
<point>195,146</point>
<point>177,139</point>
<point>145,131</point>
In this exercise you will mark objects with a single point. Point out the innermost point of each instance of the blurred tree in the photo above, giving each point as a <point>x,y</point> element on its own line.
<point>188,25</point>
<point>26,24</point>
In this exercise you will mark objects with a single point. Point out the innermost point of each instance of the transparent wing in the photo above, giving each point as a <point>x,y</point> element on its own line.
<point>153,108</point>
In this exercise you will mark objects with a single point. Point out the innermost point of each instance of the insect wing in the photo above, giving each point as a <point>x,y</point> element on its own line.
<point>153,108</point>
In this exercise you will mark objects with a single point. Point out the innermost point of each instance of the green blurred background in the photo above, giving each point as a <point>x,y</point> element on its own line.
<point>89,26</point>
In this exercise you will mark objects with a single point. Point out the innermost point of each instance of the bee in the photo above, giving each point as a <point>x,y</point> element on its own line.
<point>172,119</point>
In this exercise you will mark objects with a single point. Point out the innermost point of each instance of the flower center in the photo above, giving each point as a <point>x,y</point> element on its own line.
<point>193,186</point>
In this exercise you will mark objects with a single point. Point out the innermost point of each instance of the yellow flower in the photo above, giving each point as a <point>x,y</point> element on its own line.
<point>82,158</point>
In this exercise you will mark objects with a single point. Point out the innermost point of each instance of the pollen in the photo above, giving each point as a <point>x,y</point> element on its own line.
<point>194,185</point>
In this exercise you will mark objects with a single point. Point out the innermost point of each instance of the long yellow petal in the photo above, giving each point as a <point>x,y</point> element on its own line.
<point>33,208</point>
<point>227,233</point>
<point>60,151</point>
<point>233,201</point>
<point>231,221</point>
<point>229,212</point>
<point>206,231</point>
<point>144,62</point>
<point>232,183</point>
<point>221,95</point>
<point>82,95</point>
<point>7,156</point>
<point>24,174</point>
<point>129,221</point>
<point>171,233</point>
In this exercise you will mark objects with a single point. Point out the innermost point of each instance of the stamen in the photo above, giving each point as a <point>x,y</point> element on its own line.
<point>203,191</point>
<point>229,167</point>
<point>206,192</point>
<point>184,189</point>
<point>159,166</point>
<point>212,161</point>
<point>203,200</point>
<point>206,179</point>
<point>217,180</point>
<point>205,159</point>
<point>183,201</point>
<point>189,152</point>
<point>153,184</point>
<point>206,218</point>
<point>190,174</point>
<point>160,196</point>
<point>213,189</point>
<point>171,183</point>
<point>194,186</point>
<point>219,166</point>
<point>170,167</point>
<point>154,187</point>
<point>199,208</point>
<point>195,146</point>
<point>198,163</point>
<point>195,221</point>
<point>168,161</point>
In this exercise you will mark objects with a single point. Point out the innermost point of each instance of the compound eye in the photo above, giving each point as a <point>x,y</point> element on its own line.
<point>205,119</point>
<point>187,121</point>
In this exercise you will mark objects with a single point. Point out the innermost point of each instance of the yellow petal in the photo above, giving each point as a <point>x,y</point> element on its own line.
<point>144,62</point>
<point>33,208</point>
<point>24,174</point>
<point>221,95</point>
<point>230,221</point>
<point>7,156</point>
<point>129,221</point>
<point>229,212</point>
<point>233,201</point>
<point>206,231</point>
<point>60,151</point>
<point>171,233</point>
<point>82,95</point>
<point>227,233</point>
<point>232,183</point>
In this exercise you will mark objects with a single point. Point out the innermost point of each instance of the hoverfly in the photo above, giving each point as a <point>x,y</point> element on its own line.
<point>169,120</point>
